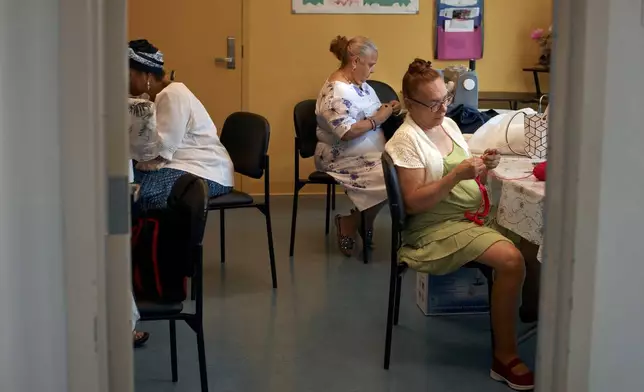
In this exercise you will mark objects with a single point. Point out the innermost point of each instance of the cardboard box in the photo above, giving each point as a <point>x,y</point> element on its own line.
<point>461,292</point>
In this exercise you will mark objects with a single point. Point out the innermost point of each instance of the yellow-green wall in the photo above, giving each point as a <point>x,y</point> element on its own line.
<point>288,59</point>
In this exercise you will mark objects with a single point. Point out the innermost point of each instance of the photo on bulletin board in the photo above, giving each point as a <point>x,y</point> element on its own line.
<point>459,30</point>
<point>355,6</point>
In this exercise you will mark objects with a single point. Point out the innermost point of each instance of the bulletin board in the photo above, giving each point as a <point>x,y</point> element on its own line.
<point>459,30</point>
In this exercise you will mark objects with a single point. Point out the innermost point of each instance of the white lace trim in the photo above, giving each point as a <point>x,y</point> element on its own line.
<point>404,151</point>
<point>142,130</point>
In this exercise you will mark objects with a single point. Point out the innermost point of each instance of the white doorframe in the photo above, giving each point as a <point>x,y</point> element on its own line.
<point>577,120</point>
<point>118,269</point>
<point>83,173</point>
<point>93,85</point>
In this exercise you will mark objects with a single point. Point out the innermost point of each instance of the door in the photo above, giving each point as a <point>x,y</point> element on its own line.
<point>196,37</point>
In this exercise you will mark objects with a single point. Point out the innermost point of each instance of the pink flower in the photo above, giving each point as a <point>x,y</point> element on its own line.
<point>537,34</point>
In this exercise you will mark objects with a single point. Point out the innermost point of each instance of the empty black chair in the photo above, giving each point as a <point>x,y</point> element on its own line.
<point>246,137</point>
<point>188,203</point>
<point>305,141</point>
<point>387,94</point>
<point>305,121</point>
<point>398,216</point>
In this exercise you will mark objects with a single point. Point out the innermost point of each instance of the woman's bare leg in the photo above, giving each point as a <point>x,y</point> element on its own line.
<point>509,273</point>
<point>349,224</point>
<point>371,213</point>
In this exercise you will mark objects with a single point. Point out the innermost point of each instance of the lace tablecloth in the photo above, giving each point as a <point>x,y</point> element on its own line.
<point>519,201</point>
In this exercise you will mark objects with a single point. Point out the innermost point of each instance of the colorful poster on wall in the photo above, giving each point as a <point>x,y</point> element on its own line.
<point>355,6</point>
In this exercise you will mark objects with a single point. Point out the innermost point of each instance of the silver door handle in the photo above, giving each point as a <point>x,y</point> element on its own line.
<point>229,60</point>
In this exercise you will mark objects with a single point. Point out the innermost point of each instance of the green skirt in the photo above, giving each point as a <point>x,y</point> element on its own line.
<point>447,246</point>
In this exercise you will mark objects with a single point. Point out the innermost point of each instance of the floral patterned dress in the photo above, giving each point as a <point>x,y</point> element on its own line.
<point>355,164</point>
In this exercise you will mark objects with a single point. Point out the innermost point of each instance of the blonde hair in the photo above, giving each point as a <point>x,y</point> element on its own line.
<point>345,49</point>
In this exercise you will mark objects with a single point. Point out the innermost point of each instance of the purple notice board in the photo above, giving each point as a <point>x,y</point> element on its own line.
<point>458,45</point>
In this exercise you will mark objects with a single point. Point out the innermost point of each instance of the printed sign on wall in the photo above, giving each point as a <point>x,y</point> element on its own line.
<point>355,6</point>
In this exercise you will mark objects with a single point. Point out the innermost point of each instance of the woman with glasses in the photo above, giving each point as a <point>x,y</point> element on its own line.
<point>350,138</point>
<point>442,187</point>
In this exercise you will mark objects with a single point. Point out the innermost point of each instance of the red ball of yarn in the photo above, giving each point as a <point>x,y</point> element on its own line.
<point>539,171</point>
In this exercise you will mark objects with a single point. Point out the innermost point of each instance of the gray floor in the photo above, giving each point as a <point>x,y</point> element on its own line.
<point>323,329</point>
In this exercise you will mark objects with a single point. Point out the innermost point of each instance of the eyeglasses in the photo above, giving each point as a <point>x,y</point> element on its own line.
<point>436,105</point>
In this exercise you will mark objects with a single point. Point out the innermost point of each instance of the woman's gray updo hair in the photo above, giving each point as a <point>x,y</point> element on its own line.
<point>344,49</point>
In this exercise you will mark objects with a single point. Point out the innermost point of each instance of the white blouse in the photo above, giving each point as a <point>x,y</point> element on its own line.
<point>143,125</point>
<point>412,148</point>
<point>185,136</point>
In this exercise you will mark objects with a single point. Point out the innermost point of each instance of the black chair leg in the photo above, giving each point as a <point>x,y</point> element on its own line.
<point>271,250</point>
<point>390,316</point>
<point>490,285</point>
<point>201,349</point>
<point>397,305</point>
<point>296,196</point>
<point>363,231</point>
<point>328,209</point>
<point>222,235</point>
<point>173,350</point>
<point>333,197</point>
<point>193,290</point>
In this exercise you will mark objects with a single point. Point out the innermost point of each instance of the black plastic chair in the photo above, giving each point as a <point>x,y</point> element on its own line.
<point>398,216</point>
<point>305,121</point>
<point>384,91</point>
<point>188,199</point>
<point>246,137</point>
<point>387,94</point>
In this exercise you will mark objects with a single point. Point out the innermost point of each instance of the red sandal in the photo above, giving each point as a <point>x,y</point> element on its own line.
<point>503,373</point>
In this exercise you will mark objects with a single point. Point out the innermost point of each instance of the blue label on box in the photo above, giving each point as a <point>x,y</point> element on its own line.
<point>464,291</point>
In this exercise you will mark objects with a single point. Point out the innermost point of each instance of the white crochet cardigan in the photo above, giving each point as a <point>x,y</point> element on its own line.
<point>412,148</point>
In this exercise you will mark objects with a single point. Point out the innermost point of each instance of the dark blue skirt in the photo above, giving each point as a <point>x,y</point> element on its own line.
<point>157,185</point>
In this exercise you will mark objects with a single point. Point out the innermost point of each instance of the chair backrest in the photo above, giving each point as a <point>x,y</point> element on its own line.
<point>188,211</point>
<point>386,94</point>
<point>306,125</point>
<point>189,195</point>
<point>246,136</point>
<point>394,194</point>
<point>384,91</point>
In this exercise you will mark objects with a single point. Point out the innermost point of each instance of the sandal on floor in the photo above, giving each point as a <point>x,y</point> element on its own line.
<point>140,338</point>
<point>345,243</point>
<point>503,373</point>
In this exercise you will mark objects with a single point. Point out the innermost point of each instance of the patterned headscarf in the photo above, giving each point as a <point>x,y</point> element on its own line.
<point>145,57</point>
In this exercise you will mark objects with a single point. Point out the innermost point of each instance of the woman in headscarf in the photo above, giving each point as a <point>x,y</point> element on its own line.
<point>175,136</point>
<point>185,136</point>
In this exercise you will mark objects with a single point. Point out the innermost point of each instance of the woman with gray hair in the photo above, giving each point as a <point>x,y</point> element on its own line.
<point>350,139</point>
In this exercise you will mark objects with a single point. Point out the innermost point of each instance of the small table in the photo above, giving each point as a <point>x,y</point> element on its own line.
<point>520,210</point>
<point>520,202</point>
<point>535,74</point>
<point>512,98</point>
